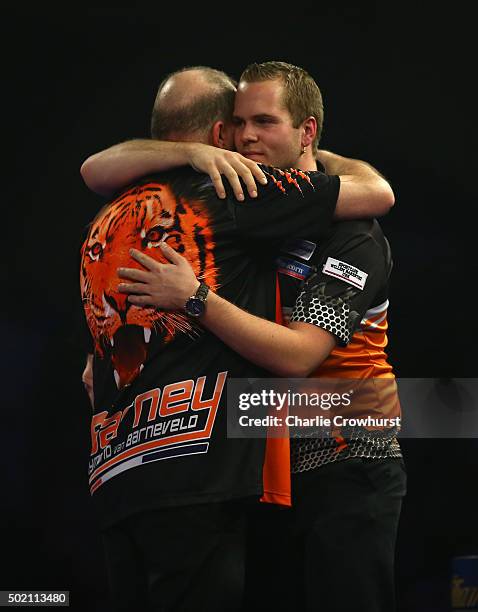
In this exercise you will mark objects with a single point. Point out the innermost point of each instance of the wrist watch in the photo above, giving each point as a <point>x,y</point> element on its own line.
<point>196,304</point>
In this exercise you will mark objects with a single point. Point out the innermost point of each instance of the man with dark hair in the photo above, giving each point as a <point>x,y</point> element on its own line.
<point>172,534</point>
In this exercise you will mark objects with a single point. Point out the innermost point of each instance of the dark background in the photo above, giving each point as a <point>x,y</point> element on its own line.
<point>396,86</point>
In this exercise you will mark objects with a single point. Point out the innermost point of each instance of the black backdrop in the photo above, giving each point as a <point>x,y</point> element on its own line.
<point>395,82</point>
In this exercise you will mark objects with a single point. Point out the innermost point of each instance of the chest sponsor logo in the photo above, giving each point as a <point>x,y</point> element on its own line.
<point>293,268</point>
<point>300,248</point>
<point>346,272</point>
<point>159,424</point>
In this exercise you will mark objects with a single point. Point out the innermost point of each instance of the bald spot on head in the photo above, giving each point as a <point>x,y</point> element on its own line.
<point>184,88</point>
<point>189,102</point>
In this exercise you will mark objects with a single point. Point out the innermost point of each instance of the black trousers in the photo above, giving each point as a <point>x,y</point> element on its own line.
<point>182,559</point>
<point>334,550</point>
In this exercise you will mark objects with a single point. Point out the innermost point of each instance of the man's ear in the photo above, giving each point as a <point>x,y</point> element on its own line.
<point>220,135</point>
<point>309,131</point>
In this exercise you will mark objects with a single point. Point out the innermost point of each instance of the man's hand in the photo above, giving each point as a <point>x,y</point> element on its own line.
<point>165,286</point>
<point>217,162</point>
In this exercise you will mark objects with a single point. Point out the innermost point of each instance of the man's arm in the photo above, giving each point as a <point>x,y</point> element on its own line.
<point>362,187</point>
<point>286,351</point>
<point>293,351</point>
<point>110,170</point>
<point>363,191</point>
<point>305,344</point>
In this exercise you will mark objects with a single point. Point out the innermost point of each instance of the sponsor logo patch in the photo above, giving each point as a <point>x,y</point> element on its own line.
<point>346,272</point>
<point>293,268</point>
<point>300,248</point>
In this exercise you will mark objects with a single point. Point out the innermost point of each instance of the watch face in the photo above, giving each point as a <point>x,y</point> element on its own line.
<point>195,307</point>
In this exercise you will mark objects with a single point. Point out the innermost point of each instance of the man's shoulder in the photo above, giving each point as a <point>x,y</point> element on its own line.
<point>182,182</point>
<point>351,235</point>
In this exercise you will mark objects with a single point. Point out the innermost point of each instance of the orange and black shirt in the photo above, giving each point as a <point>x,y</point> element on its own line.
<point>158,429</point>
<point>340,283</point>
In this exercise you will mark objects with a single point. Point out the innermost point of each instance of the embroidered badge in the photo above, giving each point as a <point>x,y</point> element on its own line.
<point>346,272</point>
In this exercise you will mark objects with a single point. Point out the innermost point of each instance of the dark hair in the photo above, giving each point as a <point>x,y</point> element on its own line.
<point>302,97</point>
<point>199,112</point>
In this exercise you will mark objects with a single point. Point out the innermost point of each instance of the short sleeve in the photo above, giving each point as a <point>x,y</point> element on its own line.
<point>292,204</point>
<point>351,276</point>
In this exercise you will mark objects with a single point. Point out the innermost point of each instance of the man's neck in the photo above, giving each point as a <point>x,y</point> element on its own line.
<point>307,161</point>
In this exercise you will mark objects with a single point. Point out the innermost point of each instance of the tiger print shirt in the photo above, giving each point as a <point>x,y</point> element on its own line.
<point>158,429</point>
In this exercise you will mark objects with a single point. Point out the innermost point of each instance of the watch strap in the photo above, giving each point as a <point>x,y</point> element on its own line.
<point>201,292</point>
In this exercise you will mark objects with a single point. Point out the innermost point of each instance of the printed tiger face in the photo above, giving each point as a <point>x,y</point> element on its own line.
<point>140,218</point>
